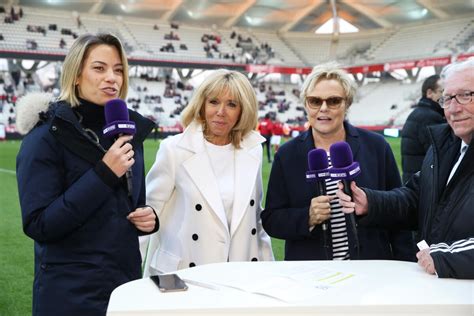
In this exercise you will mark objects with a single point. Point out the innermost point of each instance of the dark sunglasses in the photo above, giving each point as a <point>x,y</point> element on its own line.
<point>331,102</point>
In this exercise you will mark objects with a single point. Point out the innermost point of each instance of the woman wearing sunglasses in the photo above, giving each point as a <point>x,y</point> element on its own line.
<point>314,227</point>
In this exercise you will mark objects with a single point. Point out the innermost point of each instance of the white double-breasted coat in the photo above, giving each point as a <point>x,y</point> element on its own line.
<point>183,190</point>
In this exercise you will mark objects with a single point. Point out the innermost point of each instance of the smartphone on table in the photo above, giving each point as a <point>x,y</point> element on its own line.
<point>169,282</point>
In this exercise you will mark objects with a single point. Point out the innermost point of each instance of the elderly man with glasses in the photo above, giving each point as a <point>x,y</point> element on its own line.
<point>438,200</point>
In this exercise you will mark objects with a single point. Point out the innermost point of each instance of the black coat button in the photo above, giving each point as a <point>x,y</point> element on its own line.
<point>254,259</point>
<point>192,264</point>
<point>195,237</point>
<point>252,202</point>
<point>254,231</point>
<point>198,207</point>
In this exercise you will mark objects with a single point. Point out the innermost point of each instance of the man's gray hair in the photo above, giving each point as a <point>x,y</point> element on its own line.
<point>456,67</point>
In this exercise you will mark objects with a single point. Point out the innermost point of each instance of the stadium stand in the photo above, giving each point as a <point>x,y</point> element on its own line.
<point>419,40</point>
<point>383,110</point>
<point>52,32</point>
<point>291,48</point>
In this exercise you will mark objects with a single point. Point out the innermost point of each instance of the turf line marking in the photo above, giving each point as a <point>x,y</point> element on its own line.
<point>8,171</point>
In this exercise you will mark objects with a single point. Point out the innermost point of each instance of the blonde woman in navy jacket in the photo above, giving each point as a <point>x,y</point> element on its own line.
<point>75,204</point>
<point>206,183</point>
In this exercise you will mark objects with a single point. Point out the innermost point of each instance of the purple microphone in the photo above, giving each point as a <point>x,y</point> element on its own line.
<point>318,173</point>
<point>318,169</point>
<point>343,166</point>
<point>117,121</point>
<point>345,169</point>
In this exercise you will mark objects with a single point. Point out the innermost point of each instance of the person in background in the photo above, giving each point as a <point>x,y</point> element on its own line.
<point>415,138</point>
<point>438,200</point>
<point>277,132</point>
<point>206,182</point>
<point>292,210</point>
<point>62,43</point>
<point>265,129</point>
<point>73,194</point>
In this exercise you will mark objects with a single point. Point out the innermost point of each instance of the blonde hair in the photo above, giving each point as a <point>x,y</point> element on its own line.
<point>72,66</point>
<point>329,71</point>
<point>242,92</point>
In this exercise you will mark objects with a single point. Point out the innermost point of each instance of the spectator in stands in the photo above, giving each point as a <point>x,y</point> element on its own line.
<point>415,136</point>
<point>293,211</point>
<point>438,200</point>
<point>265,129</point>
<point>31,44</point>
<point>62,43</point>
<point>78,21</point>
<point>65,31</point>
<point>75,201</point>
<point>167,48</point>
<point>207,181</point>
<point>1,37</point>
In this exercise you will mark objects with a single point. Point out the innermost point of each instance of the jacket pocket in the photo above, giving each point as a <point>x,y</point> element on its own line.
<point>164,261</point>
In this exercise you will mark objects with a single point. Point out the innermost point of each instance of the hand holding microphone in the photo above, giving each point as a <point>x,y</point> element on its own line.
<point>119,126</point>
<point>119,157</point>
<point>358,203</point>
<point>320,210</point>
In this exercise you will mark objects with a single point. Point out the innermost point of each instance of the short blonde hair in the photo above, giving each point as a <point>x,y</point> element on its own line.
<point>242,92</point>
<point>329,71</point>
<point>72,66</point>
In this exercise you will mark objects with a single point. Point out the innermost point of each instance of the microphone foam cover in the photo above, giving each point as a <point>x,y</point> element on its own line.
<point>116,110</point>
<point>341,155</point>
<point>317,159</point>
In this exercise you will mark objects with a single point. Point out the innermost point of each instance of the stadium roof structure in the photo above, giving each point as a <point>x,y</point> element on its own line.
<point>280,15</point>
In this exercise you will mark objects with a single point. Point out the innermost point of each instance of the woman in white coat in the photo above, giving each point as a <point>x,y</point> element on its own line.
<point>206,183</point>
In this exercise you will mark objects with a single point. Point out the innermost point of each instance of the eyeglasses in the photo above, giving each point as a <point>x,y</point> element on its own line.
<point>461,98</point>
<point>332,102</point>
